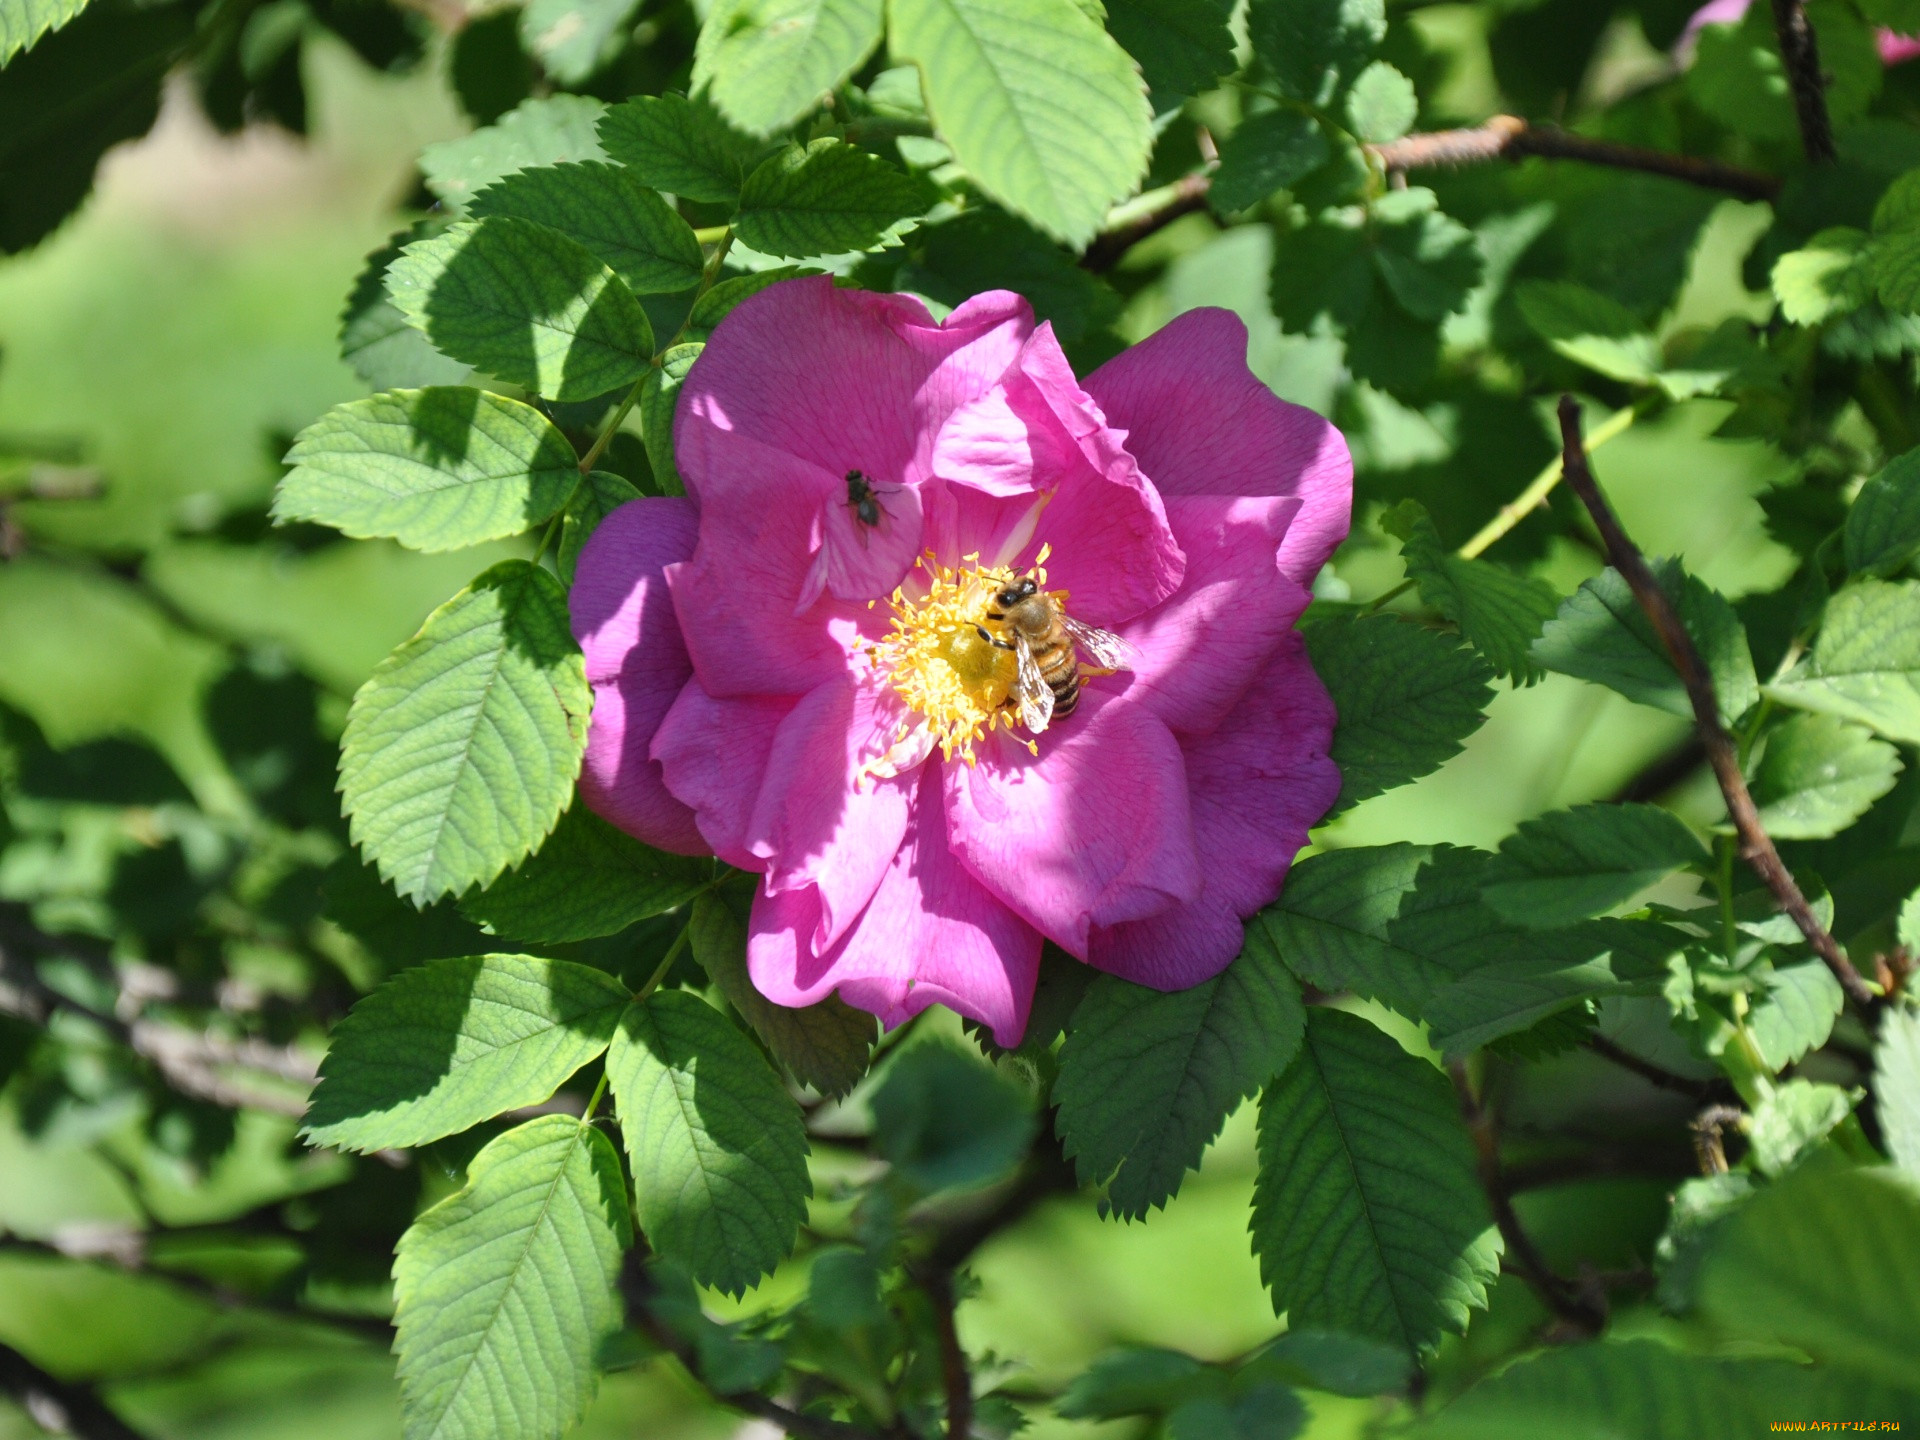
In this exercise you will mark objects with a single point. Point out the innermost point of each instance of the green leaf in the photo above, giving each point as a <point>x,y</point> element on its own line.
<point>658,396</point>
<point>599,495</point>
<point>1148,1078</point>
<point>1795,1116</point>
<point>1896,1086</point>
<point>1039,104</point>
<point>607,209</point>
<point>1865,664</point>
<point>984,248</point>
<point>946,1121</point>
<point>1183,46</point>
<point>1827,1261</point>
<point>1794,1013</point>
<point>718,303</point>
<point>1825,278</point>
<point>1601,634</point>
<point>769,63</point>
<point>843,1289</point>
<point>1268,152</point>
<point>24,21</point>
<point>828,198</point>
<point>461,749</point>
<point>436,469</point>
<point>1339,1364</point>
<point>1381,104</point>
<point>1407,699</point>
<point>718,1151</point>
<point>445,1045</point>
<point>1316,47</point>
<point>1501,614</point>
<point>680,146</point>
<point>375,338</point>
<point>825,1045</point>
<point>1251,1410</point>
<point>537,132</point>
<point>1883,526</point>
<point>1138,1380</point>
<point>571,38</point>
<point>1590,329</point>
<point>1430,261</point>
<point>504,1291</point>
<point>1738,79</point>
<point>1895,264</point>
<point>1819,775</point>
<point>1571,864</point>
<point>519,301</point>
<point>589,879</point>
<point>1368,1216</point>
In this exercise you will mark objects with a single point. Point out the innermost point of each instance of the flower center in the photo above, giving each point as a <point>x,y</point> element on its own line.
<point>942,658</point>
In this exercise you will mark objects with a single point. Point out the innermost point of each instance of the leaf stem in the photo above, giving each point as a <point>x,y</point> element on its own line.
<point>1531,498</point>
<point>593,1104</point>
<point>666,963</point>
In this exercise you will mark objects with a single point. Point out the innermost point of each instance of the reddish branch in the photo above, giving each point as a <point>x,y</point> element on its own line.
<point>957,1378</point>
<point>57,1406</point>
<point>1756,846</point>
<point>1800,53</point>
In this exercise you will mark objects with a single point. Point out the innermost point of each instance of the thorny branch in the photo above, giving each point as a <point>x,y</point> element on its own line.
<point>1800,53</point>
<point>1756,846</point>
<point>958,1379</point>
<point>1653,1074</point>
<point>57,1406</point>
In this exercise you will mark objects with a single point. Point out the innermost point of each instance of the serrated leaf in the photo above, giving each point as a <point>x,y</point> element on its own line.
<point>1501,614</point>
<point>445,1045</point>
<point>1827,1261</point>
<point>680,146</point>
<point>1039,104</point>
<point>375,338</point>
<point>945,1120</point>
<point>1139,1380</point>
<point>461,749</point>
<point>24,21</point>
<point>1895,264</point>
<point>1590,329</point>
<point>1381,104</point>
<point>1896,1086</point>
<point>828,198</point>
<point>1883,525</point>
<point>1794,1013</point>
<point>718,1151</point>
<point>606,208</point>
<point>1315,47</point>
<point>546,131</point>
<point>1601,634</point>
<point>1367,1215</point>
<point>1407,699</point>
<point>519,301</point>
<point>599,495</point>
<point>1148,1078</point>
<point>504,1291</point>
<point>1268,152</point>
<point>658,397</point>
<point>571,38</point>
<point>436,469</point>
<point>1788,1121</point>
<point>768,63</point>
<point>588,880</point>
<point>984,248</point>
<point>1865,664</point>
<point>1429,261</point>
<point>719,302</point>
<point>1183,46</point>
<point>1827,277</point>
<point>1571,864</point>
<point>1819,775</point>
<point>825,1045</point>
<point>1339,1364</point>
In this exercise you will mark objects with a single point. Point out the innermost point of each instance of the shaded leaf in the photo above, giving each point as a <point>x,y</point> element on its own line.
<point>1896,1086</point>
<point>678,145</point>
<point>572,38</point>
<point>1267,152</point>
<point>599,495</point>
<point>607,209</point>
<point>1590,329</point>
<point>1570,864</point>
<point>375,338</point>
<point>1138,1380</point>
<point>658,396</point>
<point>946,1121</point>
<point>1316,47</point>
<point>1183,46</point>
<point>827,198</point>
<point>546,131</point>
<point>1883,525</point>
<point>1500,614</point>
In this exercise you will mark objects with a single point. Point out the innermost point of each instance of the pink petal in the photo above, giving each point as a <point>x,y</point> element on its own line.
<point>1200,651</point>
<point>845,379</point>
<point>1199,423</point>
<point>736,596</point>
<point>1095,831</point>
<point>817,824</point>
<point>713,753</point>
<point>1259,782</point>
<point>636,662</point>
<point>931,935</point>
<point>1896,49</point>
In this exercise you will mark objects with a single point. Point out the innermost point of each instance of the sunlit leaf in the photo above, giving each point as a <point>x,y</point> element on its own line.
<point>768,63</point>
<point>1865,664</point>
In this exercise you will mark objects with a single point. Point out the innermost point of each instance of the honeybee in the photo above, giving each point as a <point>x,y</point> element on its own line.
<point>1046,673</point>
<point>864,500</point>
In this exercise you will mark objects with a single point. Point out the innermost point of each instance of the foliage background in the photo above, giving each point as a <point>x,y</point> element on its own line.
<point>172,335</point>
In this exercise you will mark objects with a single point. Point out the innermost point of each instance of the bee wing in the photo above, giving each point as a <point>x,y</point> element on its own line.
<point>1103,647</point>
<point>1030,688</point>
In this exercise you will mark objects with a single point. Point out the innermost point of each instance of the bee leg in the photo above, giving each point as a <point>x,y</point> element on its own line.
<point>997,644</point>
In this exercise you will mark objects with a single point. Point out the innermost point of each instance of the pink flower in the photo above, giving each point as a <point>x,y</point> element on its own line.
<point>1894,49</point>
<point>832,698</point>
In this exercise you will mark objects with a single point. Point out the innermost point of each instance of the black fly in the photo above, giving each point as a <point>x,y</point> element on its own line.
<point>864,500</point>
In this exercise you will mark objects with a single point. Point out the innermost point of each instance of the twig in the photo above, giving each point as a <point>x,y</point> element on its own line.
<point>1662,773</point>
<point>1756,846</point>
<point>1708,1128</point>
<point>1186,196</point>
<point>957,1377</point>
<point>1535,495</point>
<point>1579,1312</point>
<point>1800,53</point>
<point>1653,1074</point>
<point>1047,1172</point>
<point>57,1406</point>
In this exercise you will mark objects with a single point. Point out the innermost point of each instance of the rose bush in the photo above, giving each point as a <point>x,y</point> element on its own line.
<point>813,695</point>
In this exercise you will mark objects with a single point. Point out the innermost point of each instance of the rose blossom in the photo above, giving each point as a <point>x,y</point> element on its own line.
<point>815,694</point>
